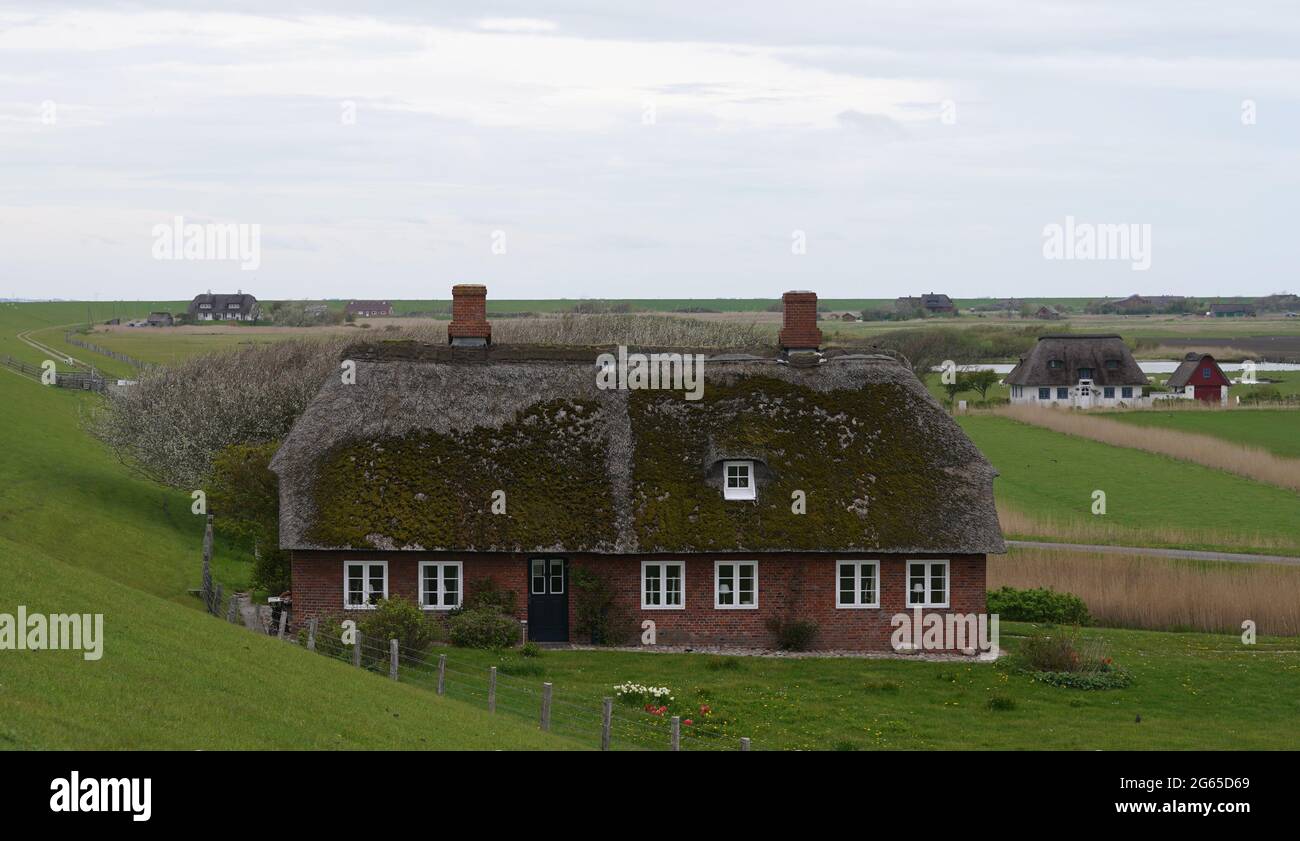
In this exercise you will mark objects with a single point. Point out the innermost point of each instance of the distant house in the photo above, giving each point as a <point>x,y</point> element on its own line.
<point>683,507</point>
<point>1230,310</point>
<point>368,309</point>
<point>1080,371</point>
<point>223,307</point>
<point>1048,313</point>
<point>842,316</point>
<point>160,319</point>
<point>930,302</point>
<point>1199,377</point>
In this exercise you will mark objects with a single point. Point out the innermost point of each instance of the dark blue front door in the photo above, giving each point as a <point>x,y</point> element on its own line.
<point>548,600</point>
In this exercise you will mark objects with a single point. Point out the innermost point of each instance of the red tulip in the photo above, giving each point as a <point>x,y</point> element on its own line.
<point>688,722</point>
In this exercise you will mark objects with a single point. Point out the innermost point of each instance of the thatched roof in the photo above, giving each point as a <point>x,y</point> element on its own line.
<point>1182,375</point>
<point>1074,352</point>
<point>409,457</point>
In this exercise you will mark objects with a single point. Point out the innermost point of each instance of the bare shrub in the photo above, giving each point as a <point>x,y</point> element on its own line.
<point>177,418</point>
<point>1130,591</point>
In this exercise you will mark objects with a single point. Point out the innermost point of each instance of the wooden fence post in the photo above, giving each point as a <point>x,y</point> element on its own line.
<point>492,689</point>
<point>523,632</point>
<point>546,706</point>
<point>675,733</point>
<point>606,717</point>
<point>207,565</point>
<point>744,743</point>
<point>356,651</point>
<point>233,609</point>
<point>442,671</point>
<point>392,658</point>
<point>311,634</point>
<point>284,622</point>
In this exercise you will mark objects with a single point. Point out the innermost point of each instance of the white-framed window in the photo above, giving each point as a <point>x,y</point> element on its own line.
<point>442,584</point>
<point>857,584</point>
<point>365,583</point>
<point>538,577</point>
<point>663,585</point>
<point>735,585</point>
<point>738,480</point>
<point>927,583</point>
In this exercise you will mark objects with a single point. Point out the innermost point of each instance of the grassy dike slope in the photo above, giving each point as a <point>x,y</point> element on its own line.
<point>80,534</point>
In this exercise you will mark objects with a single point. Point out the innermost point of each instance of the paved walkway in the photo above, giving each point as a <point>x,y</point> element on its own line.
<point>1187,554</point>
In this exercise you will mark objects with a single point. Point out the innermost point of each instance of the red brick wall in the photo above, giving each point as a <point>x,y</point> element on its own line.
<point>792,586</point>
<point>317,579</point>
<point>799,321</point>
<point>469,313</point>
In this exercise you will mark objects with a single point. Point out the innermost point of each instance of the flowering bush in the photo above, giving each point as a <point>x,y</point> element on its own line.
<point>637,694</point>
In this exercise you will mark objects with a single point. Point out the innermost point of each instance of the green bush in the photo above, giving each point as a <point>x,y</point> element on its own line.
<point>796,635</point>
<point>596,611</point>
<point>1111,678</point>
<point>488,594</point>
<point>400,619</point>
<point>531,649</point>
<point>1038,605</point>
<point>483,627</point>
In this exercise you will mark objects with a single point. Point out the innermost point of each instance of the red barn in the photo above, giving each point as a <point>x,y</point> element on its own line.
<point>1199,376</point>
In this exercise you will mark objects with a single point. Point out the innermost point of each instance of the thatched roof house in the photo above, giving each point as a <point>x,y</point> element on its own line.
<point>1081,370</point>
<point>502,457</point>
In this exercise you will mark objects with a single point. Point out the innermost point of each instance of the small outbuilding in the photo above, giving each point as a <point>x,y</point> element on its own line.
<point>1199,377</point>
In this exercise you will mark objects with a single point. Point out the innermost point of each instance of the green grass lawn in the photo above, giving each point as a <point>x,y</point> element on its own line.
<point>80,534</point>
<point>1276,430</point>
<point>1049,475</point>
<point>1191,690</point>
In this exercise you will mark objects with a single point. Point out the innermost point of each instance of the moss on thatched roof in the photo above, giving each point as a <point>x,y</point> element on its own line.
<point>409,458</point>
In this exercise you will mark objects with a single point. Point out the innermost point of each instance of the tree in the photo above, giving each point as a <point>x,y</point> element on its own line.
<point>960,383</point>
<point>244,495</point>
<point>982,380</point>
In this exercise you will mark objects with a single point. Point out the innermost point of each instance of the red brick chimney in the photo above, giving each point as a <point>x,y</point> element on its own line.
<point>799,328</point>
<point>469,324</point>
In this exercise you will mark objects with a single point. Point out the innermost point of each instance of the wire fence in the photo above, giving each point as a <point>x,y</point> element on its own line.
<point>606,724</point>
<point>71,339</point>
<point>81,380</point>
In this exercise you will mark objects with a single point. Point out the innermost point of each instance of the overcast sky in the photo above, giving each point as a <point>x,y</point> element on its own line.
<point>648,149</point>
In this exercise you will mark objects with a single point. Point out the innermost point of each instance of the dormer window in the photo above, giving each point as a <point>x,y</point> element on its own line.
<point>1055,364</point>
<point>738,480</point>
<point>1112,364</point>
<point>1085,373</point>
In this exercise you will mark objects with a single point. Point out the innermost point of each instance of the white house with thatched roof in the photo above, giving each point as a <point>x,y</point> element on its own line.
<point>1078,371</point>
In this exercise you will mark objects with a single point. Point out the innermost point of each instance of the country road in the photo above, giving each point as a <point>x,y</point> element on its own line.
<point>1185,554</point>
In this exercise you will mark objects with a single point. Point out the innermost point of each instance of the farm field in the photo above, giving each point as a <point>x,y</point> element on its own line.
<point>1047,479</point>
<point>1275,430</point>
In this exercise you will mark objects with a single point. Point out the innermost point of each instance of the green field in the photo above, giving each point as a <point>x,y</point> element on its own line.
<point>1051,476</point>
<point>1275,430</point>
<point>1192,691</point>
<point>79,534</point>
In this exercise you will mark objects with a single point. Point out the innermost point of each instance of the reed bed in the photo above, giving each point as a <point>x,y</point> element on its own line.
<point>1215,453</point>
<point>1128,591</point>
<point>1018,524</point>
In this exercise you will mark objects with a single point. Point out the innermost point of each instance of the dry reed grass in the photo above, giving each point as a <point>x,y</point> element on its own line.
<point>1215,453</point>
<point>1127,591</point>
<point>1018,524</point>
